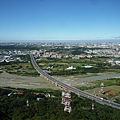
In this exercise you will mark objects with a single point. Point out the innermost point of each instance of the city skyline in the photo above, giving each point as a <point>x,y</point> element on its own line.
<point>27,20</point>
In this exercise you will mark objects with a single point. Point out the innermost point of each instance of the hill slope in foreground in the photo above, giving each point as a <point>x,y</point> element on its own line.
<point>13,106</point>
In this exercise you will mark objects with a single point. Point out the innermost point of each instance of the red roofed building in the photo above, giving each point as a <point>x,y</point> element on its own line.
<point>20,93</point>
<point>110,93</point>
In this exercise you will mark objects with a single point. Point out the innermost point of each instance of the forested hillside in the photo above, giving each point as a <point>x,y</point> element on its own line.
<point>13,106</point>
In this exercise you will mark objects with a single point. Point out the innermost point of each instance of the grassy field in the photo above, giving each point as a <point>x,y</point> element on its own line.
<point>24,69</point>
<point>111,88</point>
<point>115,89</point>
<point>108,82</point>
<point>59,66</point>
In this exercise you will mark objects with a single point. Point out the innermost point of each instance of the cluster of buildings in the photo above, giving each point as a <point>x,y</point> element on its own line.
<point>7,59</point>
<point>51,50</point>
<point>113,61</point>
<point>105,52</point>
<point>86,54</point>
<point>11,56</point>
<point>88,50</point>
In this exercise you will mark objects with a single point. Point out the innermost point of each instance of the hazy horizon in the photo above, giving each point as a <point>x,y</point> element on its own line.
<point>57,41</point>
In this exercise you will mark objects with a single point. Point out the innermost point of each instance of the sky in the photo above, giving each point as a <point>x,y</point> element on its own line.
<point>59,20</point>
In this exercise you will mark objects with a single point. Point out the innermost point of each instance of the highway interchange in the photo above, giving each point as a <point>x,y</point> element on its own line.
<point>72,89</point>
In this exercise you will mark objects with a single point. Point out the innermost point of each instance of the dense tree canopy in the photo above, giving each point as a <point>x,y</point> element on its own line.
<point>14,107</point>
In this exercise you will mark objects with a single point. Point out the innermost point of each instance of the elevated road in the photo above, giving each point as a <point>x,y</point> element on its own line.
<point>72,89</point>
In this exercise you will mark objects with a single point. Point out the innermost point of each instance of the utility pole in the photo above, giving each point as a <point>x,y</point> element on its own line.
<point>27,102</point>
<point>93,106</point>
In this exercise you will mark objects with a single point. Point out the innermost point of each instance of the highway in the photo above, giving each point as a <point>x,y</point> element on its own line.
<point>72,89</point>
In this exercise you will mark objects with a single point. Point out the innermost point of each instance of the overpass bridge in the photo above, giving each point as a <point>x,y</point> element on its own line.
<point>72,89</point>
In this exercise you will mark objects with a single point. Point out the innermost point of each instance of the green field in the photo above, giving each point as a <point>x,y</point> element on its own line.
<point>59,66</point>
<point>24,69</point>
